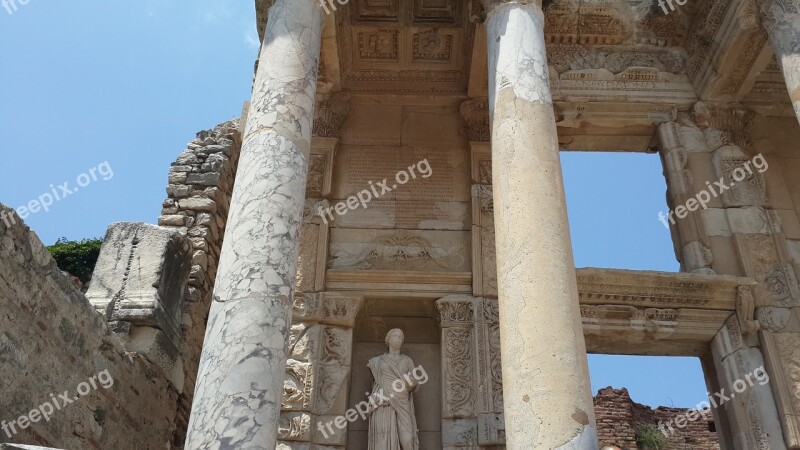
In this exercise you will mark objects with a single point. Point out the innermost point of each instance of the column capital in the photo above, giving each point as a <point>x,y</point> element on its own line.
<point>776,11</point>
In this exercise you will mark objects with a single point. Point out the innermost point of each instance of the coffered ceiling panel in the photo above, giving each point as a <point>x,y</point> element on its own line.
<point>406,45</point>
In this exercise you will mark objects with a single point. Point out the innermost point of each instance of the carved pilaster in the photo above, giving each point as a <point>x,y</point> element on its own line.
<point>318,371</point>
<point>691,243</point>
<point>782,354</point>
<point>457,318</point>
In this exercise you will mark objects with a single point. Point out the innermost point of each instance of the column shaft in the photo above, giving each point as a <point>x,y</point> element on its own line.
<point>547,396</point>
<point>240,381</point>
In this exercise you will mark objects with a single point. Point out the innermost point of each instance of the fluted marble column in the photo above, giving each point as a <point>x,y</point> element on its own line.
<point>782,21</point>
<point>240,381</point>
<point>547,396</point>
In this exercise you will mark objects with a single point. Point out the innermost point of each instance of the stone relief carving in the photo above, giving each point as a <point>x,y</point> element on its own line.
<point>788,345</point>
<point>573,22</point>
<point>782,284</point>
<point>564,58</point>
<point>458,311</point>
<point>491,310</point>
<point>431,46</point>
<point>298,386</point>
<point>341,309</point>
<point>459,390</point>
<point>476,119</point>
<point>402,250</point>
<point>337,346</point>
<point>496,367</point>
<point>751,191</point>
<point>329,115</point>
<point>379,45</point>
<point>331,380</point>
<point>392,421</point>
<point>762,261</point>
<point>733,122</point>
<point>294,427</point>
<point>745,310</point>
<point>773,319</point>
<point>316,175</point>
<point>307,306</point>
<point>485,193</point>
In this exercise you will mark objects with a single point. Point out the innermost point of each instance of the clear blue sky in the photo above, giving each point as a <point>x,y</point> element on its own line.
<point>130,83</point>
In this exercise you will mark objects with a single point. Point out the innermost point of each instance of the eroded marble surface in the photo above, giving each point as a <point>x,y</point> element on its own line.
<point>547,397</point>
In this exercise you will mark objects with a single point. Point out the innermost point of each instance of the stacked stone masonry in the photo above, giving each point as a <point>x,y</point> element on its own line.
<point>198,197</point>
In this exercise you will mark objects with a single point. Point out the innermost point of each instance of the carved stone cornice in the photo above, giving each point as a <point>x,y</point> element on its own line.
<point>659,289</point>
<point>724,45</point>
<point>570,22</point>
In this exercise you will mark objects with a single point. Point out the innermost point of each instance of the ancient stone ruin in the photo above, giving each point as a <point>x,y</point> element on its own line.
<point>397,167</point>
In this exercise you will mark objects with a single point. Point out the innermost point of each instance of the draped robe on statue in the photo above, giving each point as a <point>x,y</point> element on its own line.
<point>392,422</point>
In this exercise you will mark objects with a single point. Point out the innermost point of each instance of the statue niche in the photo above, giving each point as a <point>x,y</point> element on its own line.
<point>392,423</point>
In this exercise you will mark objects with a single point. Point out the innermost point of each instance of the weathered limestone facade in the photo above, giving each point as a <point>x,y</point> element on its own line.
<point>438,110</point>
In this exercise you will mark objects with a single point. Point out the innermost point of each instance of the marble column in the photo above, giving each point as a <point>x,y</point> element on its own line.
<point>547,396</point>
<point>237,399</point>
<point>781,19</point>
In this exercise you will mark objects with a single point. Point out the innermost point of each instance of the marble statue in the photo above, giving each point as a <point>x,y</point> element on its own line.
<point>392,424</point>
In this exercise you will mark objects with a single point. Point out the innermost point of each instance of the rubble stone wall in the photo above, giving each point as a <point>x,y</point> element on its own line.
<point>52,341</point>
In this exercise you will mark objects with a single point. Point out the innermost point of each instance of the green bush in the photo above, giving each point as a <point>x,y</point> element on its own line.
<point>649,437</point>
<point>76,257</point>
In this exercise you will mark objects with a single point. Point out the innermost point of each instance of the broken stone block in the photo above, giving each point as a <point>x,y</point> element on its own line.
<point>141,275</point>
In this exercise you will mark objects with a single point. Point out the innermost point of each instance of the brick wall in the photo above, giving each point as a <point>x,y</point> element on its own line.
<point>618,418</point>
